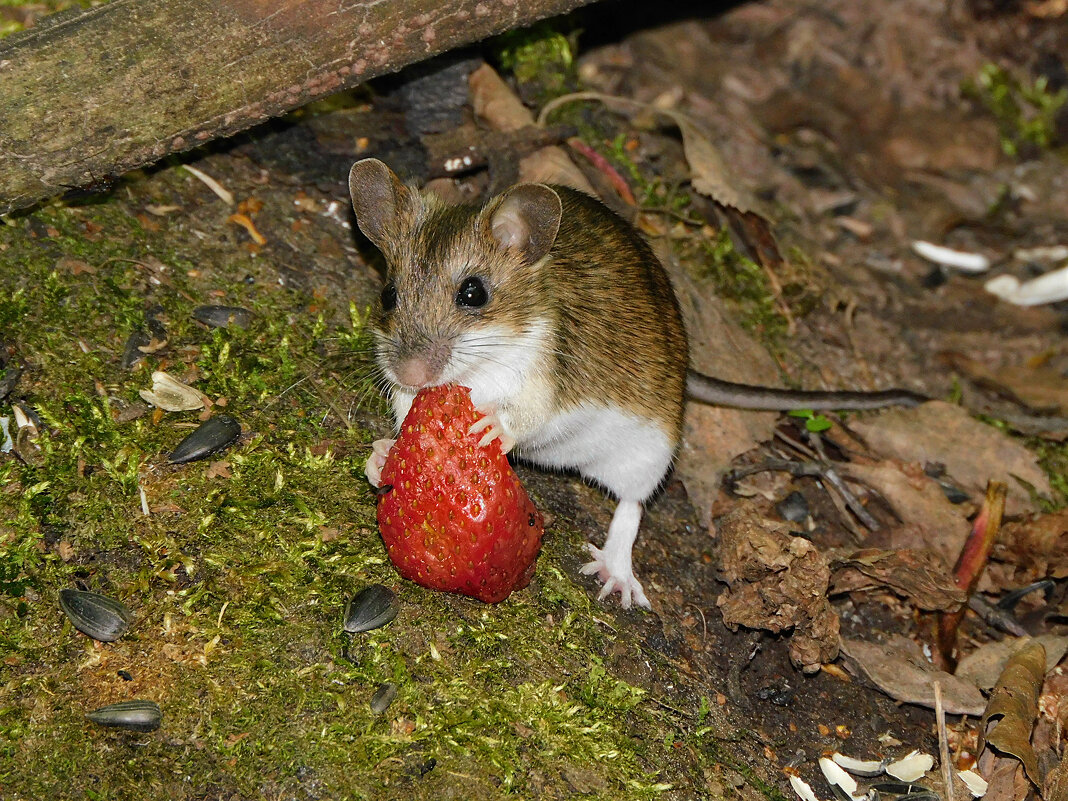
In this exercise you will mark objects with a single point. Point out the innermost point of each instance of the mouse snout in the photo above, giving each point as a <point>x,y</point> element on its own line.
<point>423,369</point>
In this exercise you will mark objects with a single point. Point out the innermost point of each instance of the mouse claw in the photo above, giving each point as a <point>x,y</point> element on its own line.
<point>377,461</point>
<point>491,424</point>
<point>629,588</point>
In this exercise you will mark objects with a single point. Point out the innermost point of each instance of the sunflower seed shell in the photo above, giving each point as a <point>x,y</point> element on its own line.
<point>383,697</point>
<point>138,715</point>
<point>95,615</point>
<point>208,438</point>
<point>371,608</point>
<point>223,316</point>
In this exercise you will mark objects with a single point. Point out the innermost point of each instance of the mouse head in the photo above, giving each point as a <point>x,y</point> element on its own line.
<point>464,299</point>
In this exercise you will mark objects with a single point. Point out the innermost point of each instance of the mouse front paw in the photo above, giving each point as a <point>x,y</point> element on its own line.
<point>377,461</point>
<point>616,577</point>
<point>491,424</point>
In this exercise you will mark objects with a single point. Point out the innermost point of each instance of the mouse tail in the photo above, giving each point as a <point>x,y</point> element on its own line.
<point>717,392</point>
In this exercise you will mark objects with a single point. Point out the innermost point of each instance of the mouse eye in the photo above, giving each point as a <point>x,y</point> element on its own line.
<point>472,294</point>
<point>389,297</point>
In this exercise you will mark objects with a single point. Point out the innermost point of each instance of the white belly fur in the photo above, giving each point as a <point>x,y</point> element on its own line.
<point>626,454</point>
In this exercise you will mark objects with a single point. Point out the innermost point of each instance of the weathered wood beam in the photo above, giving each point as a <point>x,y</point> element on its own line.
<point>99,92</point>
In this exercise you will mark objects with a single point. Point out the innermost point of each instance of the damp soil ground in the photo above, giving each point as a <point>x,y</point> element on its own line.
<point>854,137</point>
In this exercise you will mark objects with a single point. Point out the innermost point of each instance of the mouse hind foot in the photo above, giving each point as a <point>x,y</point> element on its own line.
<point>612,563</point>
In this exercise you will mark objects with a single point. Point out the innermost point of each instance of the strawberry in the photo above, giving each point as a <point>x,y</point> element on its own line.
<point>455,517</point>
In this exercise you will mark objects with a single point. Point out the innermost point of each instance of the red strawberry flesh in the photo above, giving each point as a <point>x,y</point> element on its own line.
<point>457,518</point>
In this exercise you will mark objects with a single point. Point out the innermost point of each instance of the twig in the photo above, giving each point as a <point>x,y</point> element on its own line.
<point>800,447</point>
<point>815,469</point>
<point>843,514</point>
<point>943,742</point>
<point>836,481</point>
<point>1001,619</point>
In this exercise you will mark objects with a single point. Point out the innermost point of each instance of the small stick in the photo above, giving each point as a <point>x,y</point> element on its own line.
<point>818,470</point>
<point>943,742</point>
<point>1001,619</point>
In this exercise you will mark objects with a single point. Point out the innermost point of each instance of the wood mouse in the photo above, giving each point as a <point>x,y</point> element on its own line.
<point>558,316</point>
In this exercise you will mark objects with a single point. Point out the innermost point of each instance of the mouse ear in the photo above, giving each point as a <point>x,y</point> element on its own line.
<point>377,198</point>
<point>527,219</point>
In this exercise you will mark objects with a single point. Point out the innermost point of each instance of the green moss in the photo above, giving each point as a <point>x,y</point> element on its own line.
<point>541,58</point>
<point>651,193</point>
<point>744,285</point>
<point>1026,114</point>
<point>1053,458</point>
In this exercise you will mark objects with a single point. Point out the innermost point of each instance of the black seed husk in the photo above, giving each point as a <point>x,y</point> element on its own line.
<point>208,438</point>
<point>383,697</point>
<point>223,316</point>
<point>131,352</point>
<point>138,715</point>
<point>95,615</point>
<point>371,608</point>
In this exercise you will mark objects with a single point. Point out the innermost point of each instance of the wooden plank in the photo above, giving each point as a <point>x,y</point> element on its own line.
<point>95,93</point>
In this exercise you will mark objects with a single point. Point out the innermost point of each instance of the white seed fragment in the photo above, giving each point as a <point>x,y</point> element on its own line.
<point>801,787</point>
<point>1048,288</point>
<point>958,259</point>
<point>859,767</point>
<point>171,395</point>
<point>23,420</point>
<point>975,783</point>
<point>911,767</point>
<point>1049,253</point>
<point>224,194</point>
<point>837,777</point>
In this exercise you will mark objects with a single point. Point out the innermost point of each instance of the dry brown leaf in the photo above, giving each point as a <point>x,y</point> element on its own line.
<point>1010,716</point>
<point>1039,388</point>
<point>777,582</point>
<point>1039,544</point>
<point>74,266</point>
<point>1047,9</point>
<point>498,105</point>
<point>1056,788</point>
<point>972,452</point>
<point>1005,777</point>
<point>920,576</point>
<point>219,469</point>
<point>983,665</point>
<point>899,668</point>
<point>709,173</point>
<point>929,520</point>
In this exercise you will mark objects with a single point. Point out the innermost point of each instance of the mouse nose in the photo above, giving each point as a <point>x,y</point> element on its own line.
<point>424,368</point>
<point>414,372</point>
